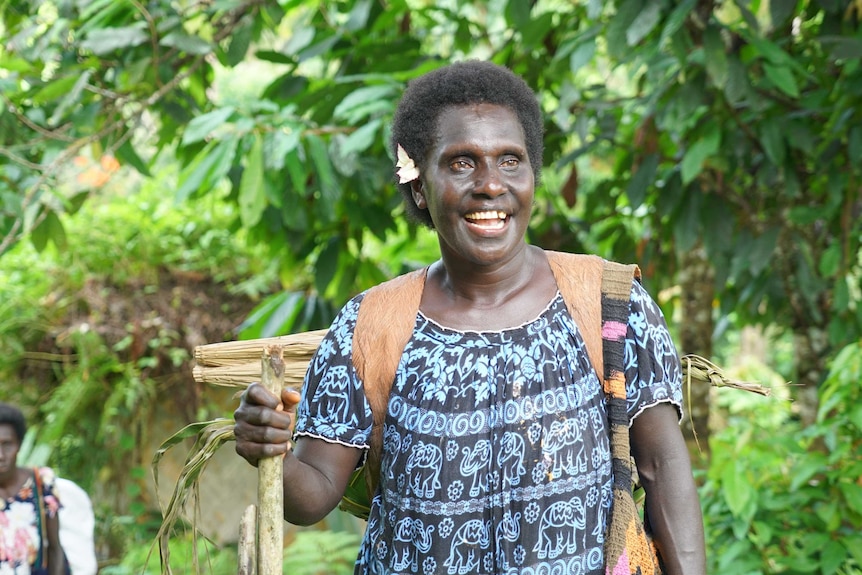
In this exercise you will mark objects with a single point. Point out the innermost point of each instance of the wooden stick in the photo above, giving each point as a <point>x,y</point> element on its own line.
<point>270,480</point>
<point>246,551</point>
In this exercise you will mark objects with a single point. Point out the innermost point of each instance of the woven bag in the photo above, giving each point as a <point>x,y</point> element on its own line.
<point>629,549</point>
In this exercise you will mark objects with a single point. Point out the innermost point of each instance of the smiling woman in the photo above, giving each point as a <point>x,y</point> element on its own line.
<point>496,442</point>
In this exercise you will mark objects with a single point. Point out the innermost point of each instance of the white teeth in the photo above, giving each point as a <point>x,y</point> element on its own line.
<point>496,215</point>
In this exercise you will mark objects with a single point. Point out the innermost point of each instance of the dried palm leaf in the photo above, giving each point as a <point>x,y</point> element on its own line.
<point>209,437</point>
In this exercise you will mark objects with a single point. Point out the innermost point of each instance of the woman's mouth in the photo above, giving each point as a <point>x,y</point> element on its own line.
<point>490,220</point>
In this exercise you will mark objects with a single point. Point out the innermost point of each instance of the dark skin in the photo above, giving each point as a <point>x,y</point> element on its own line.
<point>478,187</point>
<point>12,479</point>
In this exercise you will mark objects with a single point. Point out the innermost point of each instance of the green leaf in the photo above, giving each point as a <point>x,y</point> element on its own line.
<point>206,169</point>
<point>676,19</point>
<point>762,250</point>
<point>641,180</point>
<point>127,155</point>
<point>518,13</point>
<point>361,139</point>
<point>645,22</point>
<point>830,262</point>
<point>358,103</point>
<point>327,264</point>
<point>581,56</point>
<point>782,78</point>
<point>687,225</point>
<point>185,42</point>
<point>832,556</point>
<point>854,145</point>
<point>843,48</point>
<point>49,229</point>
<point>103,41</point>
<point>737,490</point>
<point>55,89</point>
<point>772,140</point>
<point>698,152</point>
<point>802,473</point>
<point>329,192</point>
<point>618,27</point>
<point>536,30</point>
<point>853,496</point>
<point>715,57</point>
<point>358,18</point>
<point>240,40</point>
<point>13,64</point>
<point>252,194</point>
<point>737,86</point>
<point>201,126</point>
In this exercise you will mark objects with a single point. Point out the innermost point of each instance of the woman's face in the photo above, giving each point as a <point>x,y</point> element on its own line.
<point>478,183</point>
<point>9,446</point>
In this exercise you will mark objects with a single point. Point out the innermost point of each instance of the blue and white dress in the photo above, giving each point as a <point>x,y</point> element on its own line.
<point>496,455</point>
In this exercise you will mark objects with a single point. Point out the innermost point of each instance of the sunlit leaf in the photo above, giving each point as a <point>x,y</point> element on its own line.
<point>645,22</point>
<point>185,42</point>
<point>252,194</point>
<point>201,126</point>
<point>103,41</point>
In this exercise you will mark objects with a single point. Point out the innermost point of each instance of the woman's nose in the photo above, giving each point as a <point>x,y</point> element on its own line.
<point>490,182</point>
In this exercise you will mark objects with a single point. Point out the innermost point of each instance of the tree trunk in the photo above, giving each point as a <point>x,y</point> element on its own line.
<point>809,347</point>
<point>697,282</point>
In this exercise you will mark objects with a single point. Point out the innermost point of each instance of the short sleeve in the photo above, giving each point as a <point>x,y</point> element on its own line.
<point>652,366</point>
<point>49,491</point>
<point>333,405</point>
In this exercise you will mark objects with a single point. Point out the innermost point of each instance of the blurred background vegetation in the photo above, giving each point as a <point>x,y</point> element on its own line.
<point>179,172</point>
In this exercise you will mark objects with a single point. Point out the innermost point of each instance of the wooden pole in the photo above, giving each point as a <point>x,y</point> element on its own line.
<point>270,496</point>
<point>246,547</point>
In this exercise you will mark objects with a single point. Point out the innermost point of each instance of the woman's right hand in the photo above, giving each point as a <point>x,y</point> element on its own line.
<point>263,425</point>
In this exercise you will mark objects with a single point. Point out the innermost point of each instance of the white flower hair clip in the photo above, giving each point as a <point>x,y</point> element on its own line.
<point>407,170</point>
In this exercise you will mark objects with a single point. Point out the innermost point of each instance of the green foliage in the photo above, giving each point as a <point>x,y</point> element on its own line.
<point>311,552</point>
<point>322,553</point>
<point>780,498</point>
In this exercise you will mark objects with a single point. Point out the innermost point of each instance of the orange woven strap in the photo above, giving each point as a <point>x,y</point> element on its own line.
<point>384,325</point>
<point>579,279</point>
<point>40,502</point>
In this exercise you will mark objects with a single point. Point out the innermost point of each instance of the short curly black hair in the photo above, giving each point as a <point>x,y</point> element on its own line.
<point>462,83</point>
<point>11,415</point>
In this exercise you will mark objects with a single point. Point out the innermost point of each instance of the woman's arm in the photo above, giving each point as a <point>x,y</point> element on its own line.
<point>672,502</point>
<point>316,472</point>
<point>56,558</point>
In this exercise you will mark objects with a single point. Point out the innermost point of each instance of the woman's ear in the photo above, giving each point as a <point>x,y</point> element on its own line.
<point>418,193</point>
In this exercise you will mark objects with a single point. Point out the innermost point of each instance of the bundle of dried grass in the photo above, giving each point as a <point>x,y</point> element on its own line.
<point>237,363</point>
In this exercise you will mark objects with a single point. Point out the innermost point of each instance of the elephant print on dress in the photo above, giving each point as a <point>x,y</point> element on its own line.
<point>560,443</point>
<point>410,537</point>
<point>509,529</point>
<point>510,458</point>
<point>467,545</point>
<point>423,469</point>
<point>475,463</point>
<point>333,393</point>
<point>559,527</point>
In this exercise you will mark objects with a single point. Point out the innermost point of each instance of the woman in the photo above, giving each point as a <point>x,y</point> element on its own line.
<point>482,493</point>
<point>29,524</point>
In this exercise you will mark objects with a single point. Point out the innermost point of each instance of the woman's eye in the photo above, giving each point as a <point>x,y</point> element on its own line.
<point>460,165</point>
<point>510,163</point>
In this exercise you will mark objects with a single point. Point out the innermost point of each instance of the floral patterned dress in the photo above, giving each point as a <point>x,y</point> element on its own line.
<point>21,525</point>
<point>496,454</point>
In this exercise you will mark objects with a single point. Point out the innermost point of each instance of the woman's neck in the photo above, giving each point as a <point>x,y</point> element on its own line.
<point>490,297</point>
